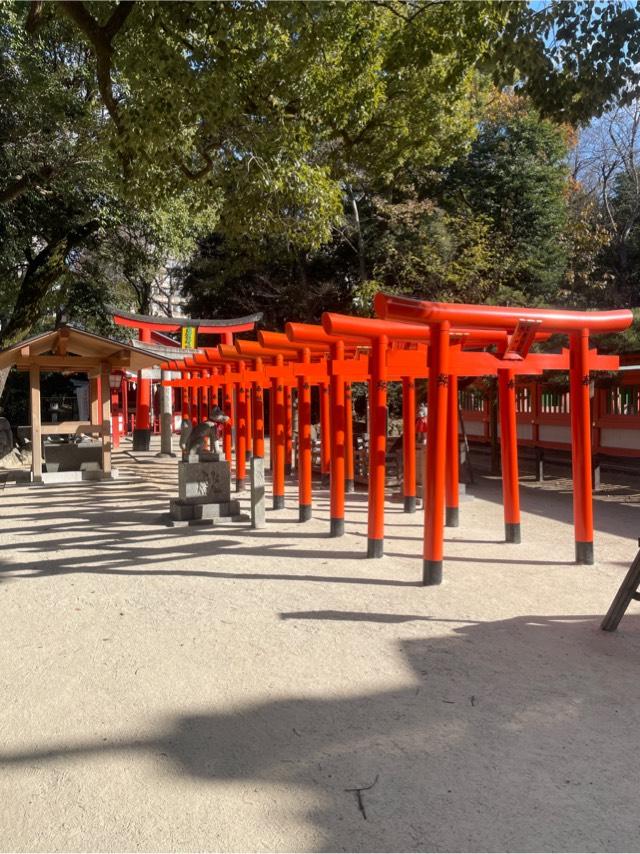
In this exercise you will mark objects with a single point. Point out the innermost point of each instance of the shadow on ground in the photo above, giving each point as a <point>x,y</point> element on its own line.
<point>513,735</point>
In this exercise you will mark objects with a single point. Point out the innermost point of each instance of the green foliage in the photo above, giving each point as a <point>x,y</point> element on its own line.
<point>496,225</point>
<point>622,256</point>
<point>229,279</point>
<point>262,107</point>
<point>515,177</point>
<point>327,146</point>
<point>574,60</point>
<point>426,250</point>
<point>585,284</point>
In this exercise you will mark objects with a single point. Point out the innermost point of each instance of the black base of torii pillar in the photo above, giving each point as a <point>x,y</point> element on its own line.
<point>141,439</point>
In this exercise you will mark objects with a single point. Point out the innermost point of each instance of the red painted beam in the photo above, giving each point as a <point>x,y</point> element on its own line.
<point>499,317</point>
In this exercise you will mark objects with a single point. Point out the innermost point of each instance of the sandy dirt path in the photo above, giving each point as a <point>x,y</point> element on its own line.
<point>223,689</point>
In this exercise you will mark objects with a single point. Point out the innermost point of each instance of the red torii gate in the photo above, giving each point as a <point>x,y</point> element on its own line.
<point>407,365</point>
<point>146,326</point>
<point>387,358</point>
<point>305,352</point>
<point>399,364</point>
<point>518,323</point>
<point>345,349</point>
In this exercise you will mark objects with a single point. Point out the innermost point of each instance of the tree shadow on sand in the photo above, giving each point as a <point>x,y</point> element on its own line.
<point>518,735</point>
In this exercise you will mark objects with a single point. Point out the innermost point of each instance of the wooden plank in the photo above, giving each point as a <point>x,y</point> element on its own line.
<point>75,427</point>
<point>121,359</point>
<point>36,418</point>
<point>623,597</point>
<point>106,421</point>
<point>60,363</point>
<point>94,392</point>
<point>63,341</point>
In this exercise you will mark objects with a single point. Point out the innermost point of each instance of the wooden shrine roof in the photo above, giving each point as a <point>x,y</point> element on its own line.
<point>68,348</point>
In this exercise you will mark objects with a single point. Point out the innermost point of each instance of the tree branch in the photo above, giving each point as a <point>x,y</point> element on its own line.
<point>198,174</point>
<point>20,185</point>
<point>117,19</point>
<point>34,16</point>
<point>101,39</point>
<point>42,272</point>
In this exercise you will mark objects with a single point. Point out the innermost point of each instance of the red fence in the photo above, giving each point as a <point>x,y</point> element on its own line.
<point>543,416</point>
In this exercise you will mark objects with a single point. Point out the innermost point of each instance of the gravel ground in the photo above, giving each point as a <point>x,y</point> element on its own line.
<point>226,689</point>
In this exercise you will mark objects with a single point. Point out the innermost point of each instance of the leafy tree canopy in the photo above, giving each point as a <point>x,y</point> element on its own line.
<point>260,108</point>
<point>146,124</point>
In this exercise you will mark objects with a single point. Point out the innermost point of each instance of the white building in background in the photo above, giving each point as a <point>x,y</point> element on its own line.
<point>166,297</point>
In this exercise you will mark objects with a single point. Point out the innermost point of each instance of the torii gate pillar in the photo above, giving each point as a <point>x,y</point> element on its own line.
<point>579,386</point>
<point>142,431</point>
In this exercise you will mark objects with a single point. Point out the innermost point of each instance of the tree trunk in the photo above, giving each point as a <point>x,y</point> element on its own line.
<point>362,267</point>
<point>4,375</point>
<point>42,272</point>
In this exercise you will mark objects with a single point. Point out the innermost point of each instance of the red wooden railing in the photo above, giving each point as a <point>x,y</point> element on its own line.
<point>543,416</point>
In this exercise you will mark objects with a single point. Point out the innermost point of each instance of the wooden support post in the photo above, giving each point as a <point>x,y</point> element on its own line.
<point>258,416</point>
<point>248,400</point>
<point>272,432</point>
<point>94,393</point>
<point>288,420</point>
<point>208,394</point>
<point>227,408</point>
<point>142,432</point>
<point>627,592</point>
<point>579,381</point>
<point>492,403</point>
<point>509,455</point>
<point>186,399</point>
<point>36,424</point>
<point>377,445</point>
<point>409,444</point>
<point>305,497</point>
<point>452,499</point>
<point>434,481</point>
<point>204,408</point>
<point>124,391</point>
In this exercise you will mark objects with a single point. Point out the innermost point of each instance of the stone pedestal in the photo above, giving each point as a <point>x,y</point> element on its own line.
<point>204,492</point>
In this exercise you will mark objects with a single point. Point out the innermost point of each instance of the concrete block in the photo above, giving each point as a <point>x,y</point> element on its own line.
<point>77,476</point>
<point>204,482</point>
<point>183,511</point>
<point>69,457</point>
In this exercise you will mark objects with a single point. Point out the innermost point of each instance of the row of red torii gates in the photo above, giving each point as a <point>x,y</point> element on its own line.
<point>409,339</point>
<point>154,331</point>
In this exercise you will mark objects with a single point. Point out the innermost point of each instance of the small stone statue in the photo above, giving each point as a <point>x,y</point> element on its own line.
<point>192,439</point>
